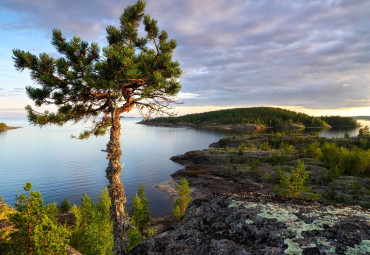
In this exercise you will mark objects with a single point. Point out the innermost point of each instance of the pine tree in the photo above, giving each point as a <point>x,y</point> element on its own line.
<point>37,230</point>
<point>65,205</point>
<point>93,228</point>
<point>184,198</point>
<point>295,184</point>
<point>83,83</point>
<point>140,213</point>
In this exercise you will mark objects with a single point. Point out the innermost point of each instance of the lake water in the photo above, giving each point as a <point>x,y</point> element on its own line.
<point>59,166</point>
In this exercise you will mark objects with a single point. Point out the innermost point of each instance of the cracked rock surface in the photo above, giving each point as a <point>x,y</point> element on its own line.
<point>254,223</point>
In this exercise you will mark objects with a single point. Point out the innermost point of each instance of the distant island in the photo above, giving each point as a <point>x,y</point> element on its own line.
<point>4,127</point>
<point>361,117</point>
<point>253,118</point>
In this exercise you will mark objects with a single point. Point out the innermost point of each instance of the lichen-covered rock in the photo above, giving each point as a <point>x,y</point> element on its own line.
<point>351,189</point>
<point>264,224</point>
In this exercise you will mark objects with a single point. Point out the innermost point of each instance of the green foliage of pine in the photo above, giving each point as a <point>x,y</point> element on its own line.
<point>140,218</point>
<point>294,184</point>
<point>265,146</point>
<point>339,160</point>
<point>267,116</point>
<point>314,151</point>
<point>364,132</point>
<point>339,121</point>
<point>135,237</point>
<point>140,214</point>
<point>86,80</point>
<point>65,206</point>
<point>183,200</point>
<point>93,230</point>
<point>36,228</point>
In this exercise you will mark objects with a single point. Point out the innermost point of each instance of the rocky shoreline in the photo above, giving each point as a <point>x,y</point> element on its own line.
<point>222,168</point>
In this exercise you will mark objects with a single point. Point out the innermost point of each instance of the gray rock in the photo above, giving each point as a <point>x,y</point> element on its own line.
<point>264,224</point>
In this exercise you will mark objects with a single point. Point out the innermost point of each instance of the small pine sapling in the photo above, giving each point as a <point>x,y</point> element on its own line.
<point>65,205</point>
<point>140,213</point>
<point>184,198</point>
<point>37,230</point>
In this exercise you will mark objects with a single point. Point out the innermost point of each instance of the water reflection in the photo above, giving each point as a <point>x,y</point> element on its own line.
<point>60,167</point>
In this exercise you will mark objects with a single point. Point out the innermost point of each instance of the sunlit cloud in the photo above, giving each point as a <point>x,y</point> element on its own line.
<point>311,54</point>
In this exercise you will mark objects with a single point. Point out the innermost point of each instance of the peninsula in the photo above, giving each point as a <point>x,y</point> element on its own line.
<point>4,127</point>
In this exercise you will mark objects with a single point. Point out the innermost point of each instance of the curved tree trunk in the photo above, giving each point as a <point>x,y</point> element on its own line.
<point>115,188</point>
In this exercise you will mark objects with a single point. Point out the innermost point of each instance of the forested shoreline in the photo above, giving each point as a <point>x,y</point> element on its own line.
<point>261,116</point>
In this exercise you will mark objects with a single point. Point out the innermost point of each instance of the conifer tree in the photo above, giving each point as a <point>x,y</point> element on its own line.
<point>37,230</point>
<point>85,83</point>
<point>184,198</point>
<point>140,213</point>
<point>92,232</point>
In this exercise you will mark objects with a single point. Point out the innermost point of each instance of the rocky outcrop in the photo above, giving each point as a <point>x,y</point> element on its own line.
<point>264,224</point>
<point>230,166</point>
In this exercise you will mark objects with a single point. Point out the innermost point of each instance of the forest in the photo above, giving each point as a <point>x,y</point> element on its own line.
<point>265,116</point>
<point>338,121</point>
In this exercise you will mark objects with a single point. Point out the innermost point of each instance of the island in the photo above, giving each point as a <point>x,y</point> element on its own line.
<point>252,118</point>
<point>4,127</point>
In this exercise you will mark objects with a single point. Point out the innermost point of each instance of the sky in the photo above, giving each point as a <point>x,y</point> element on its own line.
<point>307,56</point>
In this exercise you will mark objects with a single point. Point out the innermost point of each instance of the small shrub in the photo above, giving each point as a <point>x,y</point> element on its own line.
<point>37,230</point>
<point>314,151</point>
<point>140,214</point>
<point>267,177</point>
<point>314,133</point>
<point>135,238</point>
<point>364,132</point>
<point>294,184</point>
<point>184,198</point>
<point>275,159</point>
<point>93,229</point>
<point>251,146</point>
<point>65,206</point>
<point>265,146</point>
<point>241,149</point>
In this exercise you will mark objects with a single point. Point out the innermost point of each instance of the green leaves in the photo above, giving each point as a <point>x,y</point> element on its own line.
<point>36,228</point>
<point>93,230</point>
<point>83,83</point>
<point>294,184</point>
<point>184,198</point>
<point>140,214</point>
<point>140,217</point>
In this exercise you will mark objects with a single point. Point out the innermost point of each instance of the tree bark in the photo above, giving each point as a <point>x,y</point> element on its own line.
<point>115,188</point>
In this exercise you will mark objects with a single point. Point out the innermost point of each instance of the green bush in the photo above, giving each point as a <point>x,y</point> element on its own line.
<point>135,237</point>
<point>251,146</point>
<point>241,149</point>
<point>65,205</point>
<point>184,198</point>
<point>354,162</point>
<point>140,214</point>
<point>36,228</point>
<point>93,229</point>
<point>314,151</point>
<point>364,132</point>
<point>294,184</point>
<point>265,146</point>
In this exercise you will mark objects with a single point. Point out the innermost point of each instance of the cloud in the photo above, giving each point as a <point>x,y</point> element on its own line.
<point>183,95</point>
<point>312,54</point>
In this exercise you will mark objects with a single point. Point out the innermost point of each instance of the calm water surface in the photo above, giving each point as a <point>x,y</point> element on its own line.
<point>59,166</point>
